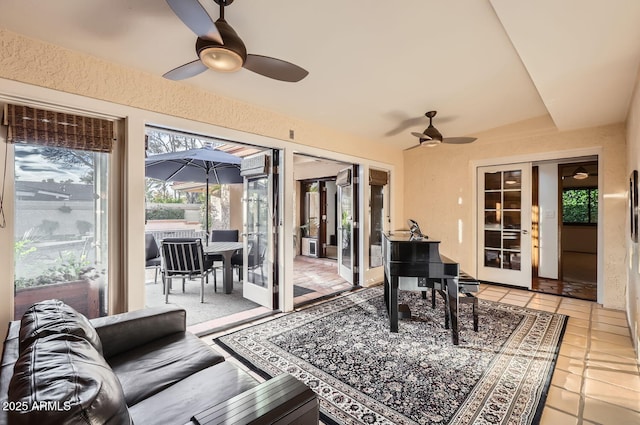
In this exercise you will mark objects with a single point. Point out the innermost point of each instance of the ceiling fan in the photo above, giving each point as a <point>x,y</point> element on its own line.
<point>432,137</point>
<point>219,47</point>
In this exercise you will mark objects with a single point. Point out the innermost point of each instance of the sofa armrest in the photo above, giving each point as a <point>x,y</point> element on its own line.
<point>123,332</point>
<point>280,400</point>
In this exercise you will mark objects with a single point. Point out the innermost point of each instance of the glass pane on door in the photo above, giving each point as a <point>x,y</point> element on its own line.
<point>346,217</point>
<point>377,226</point>
<point>257,230</point>
<point>503,219</point>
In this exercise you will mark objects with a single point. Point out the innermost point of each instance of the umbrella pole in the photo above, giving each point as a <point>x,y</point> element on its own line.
<point>206,218</point>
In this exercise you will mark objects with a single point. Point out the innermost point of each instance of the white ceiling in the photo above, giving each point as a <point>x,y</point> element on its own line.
<point>375,67</point>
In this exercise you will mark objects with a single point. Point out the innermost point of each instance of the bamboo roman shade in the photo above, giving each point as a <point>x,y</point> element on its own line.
<point>378,177</point>
<point>58,129</point>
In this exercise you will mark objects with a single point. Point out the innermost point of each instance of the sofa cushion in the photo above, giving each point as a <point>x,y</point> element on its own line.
<point>204,389</point>
<point>158,364</point>
<point>123,332</point>
<point>62,379</point>
<point>54,317</point>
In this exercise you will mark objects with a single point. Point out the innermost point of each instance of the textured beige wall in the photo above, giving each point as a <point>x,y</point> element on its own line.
<point>439,190</point>
<point>34,62</point>
<point>633,163</point>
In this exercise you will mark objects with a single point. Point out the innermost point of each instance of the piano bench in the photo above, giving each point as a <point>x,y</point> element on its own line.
<point>471,299</point>
<point>466,285</point>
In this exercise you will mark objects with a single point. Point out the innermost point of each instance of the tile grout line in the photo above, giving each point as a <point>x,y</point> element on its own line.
<point>582,401</point>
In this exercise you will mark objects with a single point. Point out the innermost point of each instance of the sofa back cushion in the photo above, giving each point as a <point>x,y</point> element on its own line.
<point>62,379</point>
<point>53,317</point>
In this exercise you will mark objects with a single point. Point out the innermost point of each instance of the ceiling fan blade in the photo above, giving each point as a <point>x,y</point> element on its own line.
<point>404,124</point>
<point>419,135</point>
<point>185,71</point>
<point>414,147</point>
<point>275,68</point>
<point>196,18</point>
<point>458,140</point>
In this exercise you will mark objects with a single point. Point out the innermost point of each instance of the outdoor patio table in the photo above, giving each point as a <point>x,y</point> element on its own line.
<point>226,249</point>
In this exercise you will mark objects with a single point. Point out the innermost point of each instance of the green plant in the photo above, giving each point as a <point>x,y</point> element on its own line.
<point>164,214</point>
<point>22,248</point>
<point>580,205</point>
<point>165,199</point>
<point>70,266</point>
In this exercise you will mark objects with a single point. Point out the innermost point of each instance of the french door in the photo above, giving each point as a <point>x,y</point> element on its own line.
<point>260,224</point>
<point>504,224</point>
<point>347,224</point>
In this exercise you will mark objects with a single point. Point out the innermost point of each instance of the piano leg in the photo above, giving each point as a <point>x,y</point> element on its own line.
<point>447,311</point>
<point>391,300</point>
<point>386,292</point>
<point>452,290</point>
<point>475,314</point>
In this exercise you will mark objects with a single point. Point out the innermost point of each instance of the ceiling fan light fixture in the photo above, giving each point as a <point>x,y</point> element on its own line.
<point>436,137</point>
<point>221,59</point>
<point>430,142</point>
<point>580,173</point>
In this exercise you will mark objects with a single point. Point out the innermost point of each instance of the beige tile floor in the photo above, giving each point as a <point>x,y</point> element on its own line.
<point>596,379</point>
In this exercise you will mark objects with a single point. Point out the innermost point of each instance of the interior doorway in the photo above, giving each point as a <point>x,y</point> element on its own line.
<point>565,228</point>
<point>319,226</point>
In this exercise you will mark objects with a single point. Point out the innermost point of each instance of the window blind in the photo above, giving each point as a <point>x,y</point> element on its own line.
<point>57,129</point>
<point>378,177</point>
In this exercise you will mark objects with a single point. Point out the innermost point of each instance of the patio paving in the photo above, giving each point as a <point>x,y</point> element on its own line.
<point>216,304</point>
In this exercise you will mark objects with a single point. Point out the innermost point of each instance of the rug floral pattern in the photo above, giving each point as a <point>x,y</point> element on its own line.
<point>365,374</point>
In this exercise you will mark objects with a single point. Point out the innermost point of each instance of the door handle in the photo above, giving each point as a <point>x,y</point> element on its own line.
<point>525,231</point>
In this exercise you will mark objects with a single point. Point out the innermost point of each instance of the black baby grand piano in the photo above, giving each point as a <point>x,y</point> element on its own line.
<point>413,262</point>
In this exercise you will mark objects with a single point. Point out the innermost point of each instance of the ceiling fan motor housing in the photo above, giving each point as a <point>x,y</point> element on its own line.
<point>433,133</point>
<point>233,47</point>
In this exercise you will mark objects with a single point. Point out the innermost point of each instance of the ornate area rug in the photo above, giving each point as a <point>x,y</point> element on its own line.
<point>364,374</point>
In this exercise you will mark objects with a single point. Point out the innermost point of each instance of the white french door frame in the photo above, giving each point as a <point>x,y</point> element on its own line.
<point>259,226</point>
<point>510,201</point>
<point>349,226</point>
<point>538,157</point>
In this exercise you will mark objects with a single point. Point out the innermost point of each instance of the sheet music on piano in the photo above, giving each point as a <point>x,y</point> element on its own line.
<point>414,229</point>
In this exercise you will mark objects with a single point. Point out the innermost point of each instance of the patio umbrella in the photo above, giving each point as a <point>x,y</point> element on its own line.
<point>195,165</point>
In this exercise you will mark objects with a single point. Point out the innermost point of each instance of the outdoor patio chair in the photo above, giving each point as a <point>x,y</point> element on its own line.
<point>223,236</point>
<point>184,258</point>
<point>255,257</point>
<point>152,254</point>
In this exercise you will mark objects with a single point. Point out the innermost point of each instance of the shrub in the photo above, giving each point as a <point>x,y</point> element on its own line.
<point>164,214</point>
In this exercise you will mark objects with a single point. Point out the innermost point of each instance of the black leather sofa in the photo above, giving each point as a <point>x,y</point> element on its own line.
<point>141,367</point>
